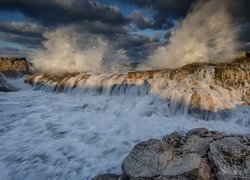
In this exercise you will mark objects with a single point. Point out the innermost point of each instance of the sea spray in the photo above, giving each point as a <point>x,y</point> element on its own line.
<point>208,34</point>
<point>68,51</point>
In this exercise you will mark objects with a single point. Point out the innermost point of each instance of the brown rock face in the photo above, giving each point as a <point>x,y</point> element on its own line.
<point>196,100</point>
<point>14,66</point>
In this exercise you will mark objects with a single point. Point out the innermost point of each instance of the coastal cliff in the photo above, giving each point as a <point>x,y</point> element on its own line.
<point>10,66</point>
<point>210,87</point>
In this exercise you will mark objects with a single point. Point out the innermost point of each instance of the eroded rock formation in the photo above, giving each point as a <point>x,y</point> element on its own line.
<point>14,66</point>
<point>200,154</point>
<point>210,87</point>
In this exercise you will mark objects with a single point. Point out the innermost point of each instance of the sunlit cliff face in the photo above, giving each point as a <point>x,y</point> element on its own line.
<point>207,34</point>
<point>206,87</point>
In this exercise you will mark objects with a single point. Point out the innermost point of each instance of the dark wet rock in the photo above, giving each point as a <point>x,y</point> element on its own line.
<point>155,158</point>
<point>201,154</point>
<point>197,144</point>
<point>175,139</point>
<point>202,132</point>
<point>231,158</point>
<point>107,176</point>
<point>110,176</point>
<point>147,159</point>
<point>182,165</point>
<point>5,86</point>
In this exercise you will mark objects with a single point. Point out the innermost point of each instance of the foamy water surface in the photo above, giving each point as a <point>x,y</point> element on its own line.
<point>46,135</point>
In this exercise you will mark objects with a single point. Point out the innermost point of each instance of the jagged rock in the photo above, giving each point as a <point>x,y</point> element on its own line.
<point>202,132</point>
<point>147,159</point>
<point>231,158</point>
<point>110,176</point>
<point>14,66</point>
<point>197,144</point>
<point>201,154</point>
<point>197,140</point>
<point>158,158</point>
<point>175,139</point>
<point>182,164</point>
<point>205,171</point>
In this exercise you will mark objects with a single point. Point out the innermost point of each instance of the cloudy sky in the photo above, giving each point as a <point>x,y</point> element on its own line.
<point>138,26</point>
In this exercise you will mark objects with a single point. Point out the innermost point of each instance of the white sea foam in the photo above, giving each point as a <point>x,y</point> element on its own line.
<point>68,51</point>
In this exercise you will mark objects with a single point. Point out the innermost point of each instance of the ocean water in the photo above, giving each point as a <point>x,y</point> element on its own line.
<point>48,135</point>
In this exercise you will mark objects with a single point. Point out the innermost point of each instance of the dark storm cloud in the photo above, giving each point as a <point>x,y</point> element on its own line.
<point>164,11</point>
<point>11,51</point>
<point>87,16</point>
<point>27,42</point>
<point>138,46</point>
<point>53,12</point>
<point>245,32</point>
<point>22,28</point>
<point>140,21</point>
<point>246,46</point>
<point>29,35</point>
<point>98,27</point>
<point>137,40</point>
<point>241,11</point>
<point>91,16</point>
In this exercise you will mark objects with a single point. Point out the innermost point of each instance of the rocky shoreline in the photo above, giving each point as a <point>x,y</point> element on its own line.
<point>12,67</point>
<point>200,154</point>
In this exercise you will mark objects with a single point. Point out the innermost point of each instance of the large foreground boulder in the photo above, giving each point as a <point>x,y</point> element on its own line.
<point>200,154</point>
